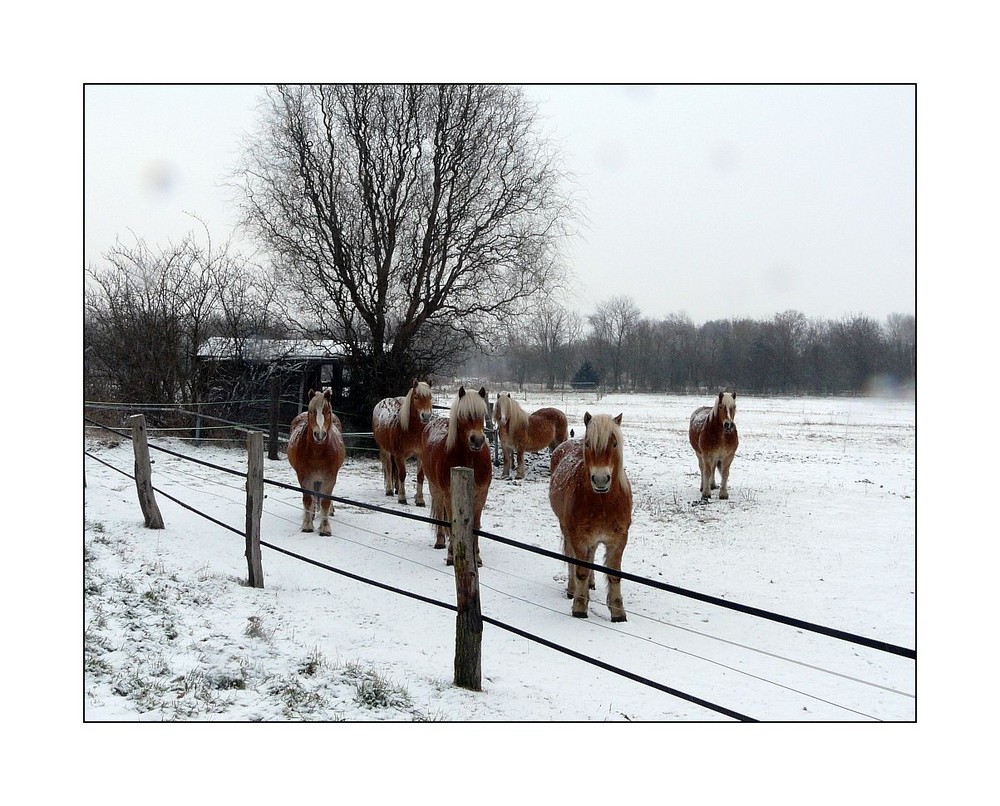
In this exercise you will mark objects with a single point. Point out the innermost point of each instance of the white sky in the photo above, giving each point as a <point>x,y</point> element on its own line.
<point>715,201</point>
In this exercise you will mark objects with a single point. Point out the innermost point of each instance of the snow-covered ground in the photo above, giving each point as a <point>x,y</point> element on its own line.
<point>820,526</point>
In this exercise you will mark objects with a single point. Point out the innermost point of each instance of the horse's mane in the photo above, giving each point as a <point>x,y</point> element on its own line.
<point>511,411</point>
<point>422,389</point>
<point>470,406</point>
<point>599,431</point>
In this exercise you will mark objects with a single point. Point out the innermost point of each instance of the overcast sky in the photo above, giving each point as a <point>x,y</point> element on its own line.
<point>714,201</point>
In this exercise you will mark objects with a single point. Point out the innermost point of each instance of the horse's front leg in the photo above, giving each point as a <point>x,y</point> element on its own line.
<point>613,559</point>
<point>307,512</point>
<point>520,464</point>
<point>326,510</point>
<point>583,579</point>
<point>324,521</point>
<point>507,457</point>
<point>724,472</point>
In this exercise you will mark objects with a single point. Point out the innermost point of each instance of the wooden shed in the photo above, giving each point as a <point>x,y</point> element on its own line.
<point>246,368</point>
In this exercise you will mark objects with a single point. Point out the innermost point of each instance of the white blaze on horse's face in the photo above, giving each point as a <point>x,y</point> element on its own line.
<point>320,425</point>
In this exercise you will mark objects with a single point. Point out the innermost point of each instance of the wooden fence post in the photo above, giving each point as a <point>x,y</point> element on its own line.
<point>255,505</point>
<point>272,440</point>
<point>197,423</point>
<point>144,474</point>
<point>469,621</point>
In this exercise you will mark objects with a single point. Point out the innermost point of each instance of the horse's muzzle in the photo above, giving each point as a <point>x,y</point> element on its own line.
<point>729,426</point>
<point>600,482</point>
<point>476,441</point>
<point>319,436</point>
<point>425,416</point>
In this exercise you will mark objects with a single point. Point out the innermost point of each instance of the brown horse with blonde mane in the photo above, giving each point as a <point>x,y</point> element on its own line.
<point>398,423</point>
<point>519,431</point>
<point>592,498</point>
<point>316,452</point>
<point>457,441</point>
<point>713,436</point>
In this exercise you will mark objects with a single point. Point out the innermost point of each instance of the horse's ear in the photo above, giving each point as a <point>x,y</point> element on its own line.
<point>734,395</point>
<point>328,393</point>
<point>586,418</point>
<point>430,382</point>
<point>311,392</point>
<point>720,396</point>
<point>461,392</point>
<point>618,420</point>
<point>414,384</point>
<point>482,392</point>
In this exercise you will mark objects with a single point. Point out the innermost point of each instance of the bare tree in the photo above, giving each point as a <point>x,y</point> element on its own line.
<point>614,321</point>
<point>408,221</point>
<point>138,339</point>
<point>149,309</point>
<point>551,333</point>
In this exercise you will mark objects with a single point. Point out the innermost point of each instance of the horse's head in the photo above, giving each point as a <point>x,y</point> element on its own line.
<point>320,414</point>
<point>727,410</point>
<point>420,400</point>
<point>468,417</point>
<point>602,450</point>
<point>501,414</point>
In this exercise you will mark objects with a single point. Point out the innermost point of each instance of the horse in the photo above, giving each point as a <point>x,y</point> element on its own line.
<point>457,441</point>
<point>316,452</point>
<point>591,496</point>
<point>397,423</point>
<point>713,436</point>
<point>519,431</point>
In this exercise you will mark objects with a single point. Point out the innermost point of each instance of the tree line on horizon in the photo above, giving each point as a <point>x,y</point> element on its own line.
<point>617,348</point>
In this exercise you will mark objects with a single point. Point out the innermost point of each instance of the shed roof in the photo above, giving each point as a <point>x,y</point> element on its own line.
<point>222,348</point>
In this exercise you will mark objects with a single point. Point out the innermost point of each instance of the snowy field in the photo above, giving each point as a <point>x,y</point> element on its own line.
<point>820,526</point>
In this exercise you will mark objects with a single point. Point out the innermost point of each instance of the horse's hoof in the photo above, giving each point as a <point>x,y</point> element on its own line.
<point>439,545</point>
<point>569,594</point>
<point>307,528</point>
<point>580,615</point>
<point>619,618</point>
<point>419,503</point>
<point>449,561</point>
<point>325,533</point>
